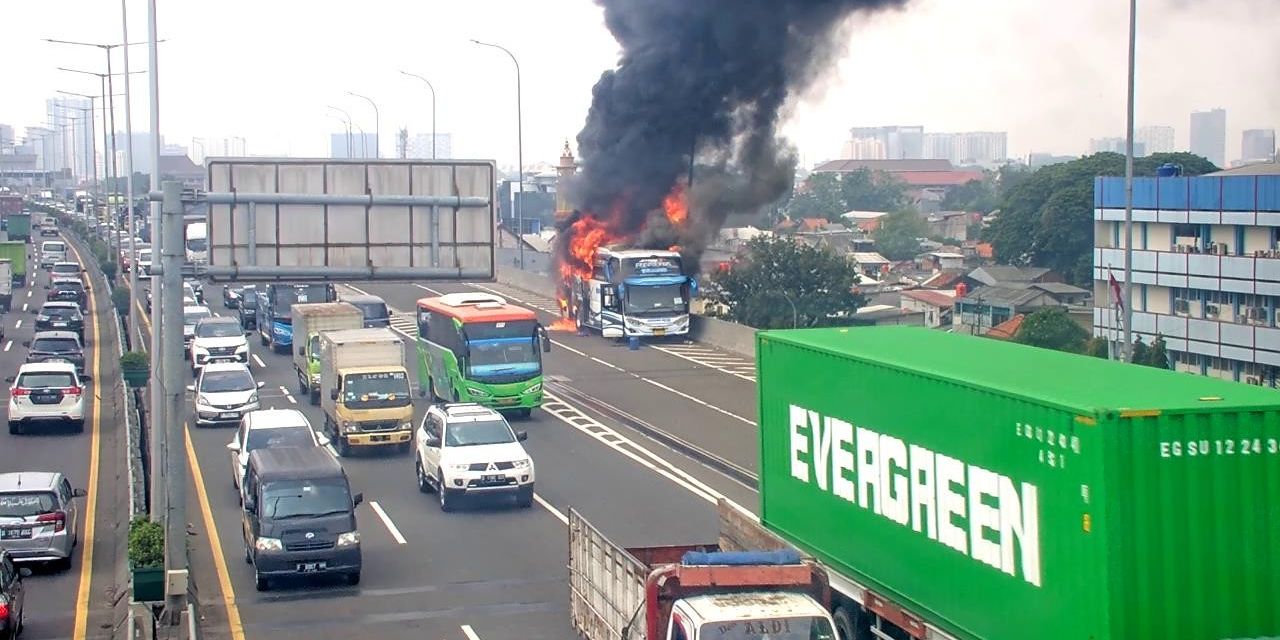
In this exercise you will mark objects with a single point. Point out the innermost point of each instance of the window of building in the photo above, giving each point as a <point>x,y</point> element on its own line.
<point>1187,238</point>
<point>1239,240</point>
<point>1181,303</point>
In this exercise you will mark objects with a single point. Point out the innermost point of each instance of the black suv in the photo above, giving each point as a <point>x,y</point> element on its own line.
<point>67,290</point>
<point>248,308</point>
<point>12,594</point>
<point>52,346</point>
<point>60,316</point>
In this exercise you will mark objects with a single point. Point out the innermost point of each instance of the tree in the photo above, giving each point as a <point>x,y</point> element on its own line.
<point>974,195</point>
<point>898,236</point>
<point>1141,353</point>
<point>778,284</point>
<point>1046,218</point>
<point>1052,328</point>
<point>830,195</point>
<point>818,197</point>
<point>1097,347</point>
<point>1157,355</point>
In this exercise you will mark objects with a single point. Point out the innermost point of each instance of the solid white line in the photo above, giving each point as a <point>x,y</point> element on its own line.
<point>18,325</point>
<point>428,289</point>
<point>391,526</point>
<point>8,345</point>
<point>259,361</point>
<point>471,635</point>
<point>569,348</point>
<point>554,511</point>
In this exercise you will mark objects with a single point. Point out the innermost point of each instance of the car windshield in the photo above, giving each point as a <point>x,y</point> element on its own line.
<point>466,434</point>
<point>219,330</point>
<point>372,310</point>
<point>61,313</point>
<point>66,269</point>
<point>65,285</point>
<point>793,628</point>
<point>47,380</point>
<point>25,503</point>
<point>56,345</point>
<point>304,498</point>
<point>226,381</point>
<point>299,436</point>
<point>197,244</point>
<point>190,318</point>
<point>376,390</point>
<point>647,299</point>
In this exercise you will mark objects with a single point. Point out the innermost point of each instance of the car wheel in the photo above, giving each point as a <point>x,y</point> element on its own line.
<point>78,425</point>
<point>248,557</point>
<point>15,428</point>
<point>424,483</point>
<point>447,498</point>
<point>525,499</point>
<point>62,564</point>
<point>260,582</point>
<point>353,579</point>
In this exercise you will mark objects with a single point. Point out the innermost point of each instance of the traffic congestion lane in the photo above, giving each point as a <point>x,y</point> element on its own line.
<point>57,602</point>
<point>609,371</point>
<point>477,562</point>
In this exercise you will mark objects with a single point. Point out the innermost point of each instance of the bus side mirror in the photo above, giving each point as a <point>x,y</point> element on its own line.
<point>546,343</point>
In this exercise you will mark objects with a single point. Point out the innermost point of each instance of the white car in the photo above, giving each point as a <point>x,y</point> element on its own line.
<point>144,263</point>
<point>224,393</point>
<point>218,340</point>
<point>192,314</point>
<point>67,270</point>
<point>46,392</point>
<point>467,450</point>
<point>266,429</point>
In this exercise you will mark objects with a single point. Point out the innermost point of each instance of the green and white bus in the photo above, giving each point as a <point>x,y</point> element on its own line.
<point>475,347</point>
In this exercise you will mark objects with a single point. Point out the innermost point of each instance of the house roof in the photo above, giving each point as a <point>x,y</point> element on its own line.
<point>1012,297</point>
<point>996,274</point>
<point>888,166</point>
<point>1058,288</point>
<point>1008,329</point>
<point>938,299</point>
<point>986,250</point>
<point>945,254</point>
<point>880,312</point>
<point>942,280</point>
<point>868,257</point>
<point>937,178</point>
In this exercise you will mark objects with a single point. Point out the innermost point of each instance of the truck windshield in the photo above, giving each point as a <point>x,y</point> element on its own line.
<point>376,390</point>
<point>197,244</point>
<point>797,628</point>
<point>655,299</point>
<point>304,498</point>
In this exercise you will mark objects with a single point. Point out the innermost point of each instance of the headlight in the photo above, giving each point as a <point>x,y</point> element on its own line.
<point>348,427</point>
<point>522,464</point>
<point>349,538</point>
<point>478,392</point>
<point>242,348</point>
<point>268,544</point>
<point>458,468</point>
<point>200,399</point>
<point>200,351</point>
<point>534,388</point>
<point>315,378</point>
<point>253,399</point>
<point>406,426</point>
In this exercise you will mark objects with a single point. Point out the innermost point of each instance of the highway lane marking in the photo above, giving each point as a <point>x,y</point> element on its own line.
<point>24,306</point>
<point>428,289</point>
<point>18,325</point>
<point>28,294</point>
<point>386,520</point>
<point>8,345</point>
<point>81,624</point>
<point>469,632</point>
<point>259,361</point>
<point>215,542</point>
<point>554,511</point>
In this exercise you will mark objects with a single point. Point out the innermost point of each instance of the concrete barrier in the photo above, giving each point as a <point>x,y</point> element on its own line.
<point>730,336</point>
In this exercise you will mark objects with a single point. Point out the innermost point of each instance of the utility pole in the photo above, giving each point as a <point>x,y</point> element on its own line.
<point>128,170</point>
<point>175,460</point>
<point>1127,307</point>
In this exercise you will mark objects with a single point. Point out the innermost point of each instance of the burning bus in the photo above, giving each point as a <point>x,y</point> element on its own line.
<point>631,293</point>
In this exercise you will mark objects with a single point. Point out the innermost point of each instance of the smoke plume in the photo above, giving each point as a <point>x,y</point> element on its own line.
<point>704,79</point>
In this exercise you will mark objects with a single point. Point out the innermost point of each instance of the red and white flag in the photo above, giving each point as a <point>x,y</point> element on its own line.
<point>1117,296</point>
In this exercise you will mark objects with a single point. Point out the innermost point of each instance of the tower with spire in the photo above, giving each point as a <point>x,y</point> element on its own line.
<point>567,168</point>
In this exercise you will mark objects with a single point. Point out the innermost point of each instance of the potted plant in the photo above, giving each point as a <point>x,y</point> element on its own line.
<point>146,559</point>
<point>135,367</point>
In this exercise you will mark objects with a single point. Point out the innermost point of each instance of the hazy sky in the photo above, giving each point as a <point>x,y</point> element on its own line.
<point>1052,74</point>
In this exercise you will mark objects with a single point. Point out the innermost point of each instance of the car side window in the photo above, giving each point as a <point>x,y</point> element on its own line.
<point>433,426</point>
<point>6,572</point>
<point>64,488</point>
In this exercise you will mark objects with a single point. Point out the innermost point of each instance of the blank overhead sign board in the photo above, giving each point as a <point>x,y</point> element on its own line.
<point>260,222</point>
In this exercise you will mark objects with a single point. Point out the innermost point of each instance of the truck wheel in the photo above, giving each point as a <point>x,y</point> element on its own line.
<point>431,390</point>
<point>524,412</point>
<point>849,624</point>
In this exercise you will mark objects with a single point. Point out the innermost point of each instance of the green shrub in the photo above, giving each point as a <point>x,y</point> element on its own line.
<point>135,360</point>
<point>146,543</point>
<point>120,300</point>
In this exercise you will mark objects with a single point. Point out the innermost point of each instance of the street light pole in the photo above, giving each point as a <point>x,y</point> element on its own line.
<point>519,149</point>
<point>347,120</point>
<point>1127,307</point>
<point>433,109</point>
<point>93,143</point>
<point>377,125</point>
<point>128,171</point>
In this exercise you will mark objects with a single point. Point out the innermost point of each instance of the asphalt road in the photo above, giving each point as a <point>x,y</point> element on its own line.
<point>492,571</point>
<point>74,603</point>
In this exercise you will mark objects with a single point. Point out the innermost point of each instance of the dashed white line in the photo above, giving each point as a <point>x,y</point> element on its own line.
<point>284,390</point>
<point>24,306</point>
<point>8,345</point>
<point>18,325</point>
<point>432,291</point>
<point>554,511</point>
<point>386,520</point>
<point>468,632</point>
<point>259,361</point>
<point>290,398</point>
<point>28,294</point>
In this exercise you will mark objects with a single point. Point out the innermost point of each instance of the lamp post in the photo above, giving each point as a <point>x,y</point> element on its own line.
<point>795,322</point>
<point>347,119</point>
<point>377,124</point>
<point>433,109</point>
<point>519,148</point>
<point>1127,308</point>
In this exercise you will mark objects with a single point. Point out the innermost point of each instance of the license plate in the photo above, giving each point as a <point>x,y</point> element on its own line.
<point>379,438</point>
<point>229,416</point>
<point>59,324</point>
<point>508,400</point>
<point>659,332</point>
<point>493,479</point>
<point>312,567</point>
<point>13,534</point>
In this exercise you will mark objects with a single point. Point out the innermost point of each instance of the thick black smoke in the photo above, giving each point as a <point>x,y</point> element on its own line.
<point>705,79</point>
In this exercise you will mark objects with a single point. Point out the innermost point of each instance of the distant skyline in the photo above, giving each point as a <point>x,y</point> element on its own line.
<point>1052,79</point>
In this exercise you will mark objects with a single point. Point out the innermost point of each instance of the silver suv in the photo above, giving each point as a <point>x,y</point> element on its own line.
<point>39,517</point>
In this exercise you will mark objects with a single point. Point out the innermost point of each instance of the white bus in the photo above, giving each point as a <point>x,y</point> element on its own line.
<point>633,293</point>
<point>197,243</point>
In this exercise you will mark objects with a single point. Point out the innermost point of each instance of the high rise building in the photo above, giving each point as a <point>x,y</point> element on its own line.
<point>1209,135</point>
<point>72,148</point>
<point>941,146</point>
<point>419,146</point>
<point>6,138</point>
<point>1258,144</point>
<point>982,146</point>
<point>362,145</point>
<point>863,149</point>
<point>899,142</point>
<point>1154,139</point>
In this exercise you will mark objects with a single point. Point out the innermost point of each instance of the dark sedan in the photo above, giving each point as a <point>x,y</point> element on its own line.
<point>232,296</point>
<point>55,346</point>
<point>67,290</point>
<point>60,316</point>
<point>12,595</point>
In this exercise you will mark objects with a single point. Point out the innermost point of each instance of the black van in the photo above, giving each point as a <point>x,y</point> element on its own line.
<point>376,313</point>
<point>299,516</point>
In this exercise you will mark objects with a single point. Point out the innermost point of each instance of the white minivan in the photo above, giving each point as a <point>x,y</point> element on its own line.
<point>52,251</point>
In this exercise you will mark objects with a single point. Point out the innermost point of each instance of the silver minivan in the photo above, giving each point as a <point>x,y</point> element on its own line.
<point>39,516</point>
<point>52,251</point>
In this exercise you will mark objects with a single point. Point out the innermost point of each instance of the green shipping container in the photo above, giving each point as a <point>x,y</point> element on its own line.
<point>1007,492</point>
<point>16,252</point>
<point>19,226</point>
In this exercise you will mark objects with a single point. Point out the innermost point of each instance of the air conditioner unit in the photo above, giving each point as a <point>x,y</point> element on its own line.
<point>1211,310</point>
<point>1257,313</point>
<point>1181,306</point>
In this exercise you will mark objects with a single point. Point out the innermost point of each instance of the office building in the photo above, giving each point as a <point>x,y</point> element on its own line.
<point>899,142</point>
<point>72,147</point>
<point>362,145</point>
<point>420,146</point>
<point>7,140</point>
<point>1115,145</point>
<point>1206,269</point>
<point>1258,145</point>
<point>863,149</point>
<point>1209,135</point>
<point>1154,139</point>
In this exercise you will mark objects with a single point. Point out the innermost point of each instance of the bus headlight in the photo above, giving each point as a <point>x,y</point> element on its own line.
<point>534,388</point>
<point>479,393</point>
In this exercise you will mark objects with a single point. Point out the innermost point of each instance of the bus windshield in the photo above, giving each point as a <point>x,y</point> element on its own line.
<point>655,299</point>
<point>197,244</point>
<point>502,349</point>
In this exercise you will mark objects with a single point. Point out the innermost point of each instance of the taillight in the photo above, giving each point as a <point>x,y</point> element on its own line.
<point>58,518</point>
<point>74,391</point>
<point>4,609</point>
<point>19,391</point>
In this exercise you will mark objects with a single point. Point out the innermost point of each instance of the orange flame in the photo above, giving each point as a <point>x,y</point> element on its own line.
<point>676,205</point>
<point>563,324</point>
